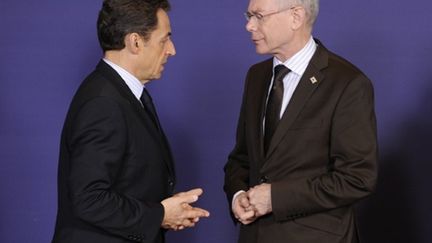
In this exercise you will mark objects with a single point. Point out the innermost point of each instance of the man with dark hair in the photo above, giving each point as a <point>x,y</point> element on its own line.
<point>116,173</point>
<point>306,148</point>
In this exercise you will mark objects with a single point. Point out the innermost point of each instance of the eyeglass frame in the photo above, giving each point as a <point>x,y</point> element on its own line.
<point>259,17</point>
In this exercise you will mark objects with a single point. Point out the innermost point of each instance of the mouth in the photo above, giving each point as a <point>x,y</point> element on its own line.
<point>256,40</point>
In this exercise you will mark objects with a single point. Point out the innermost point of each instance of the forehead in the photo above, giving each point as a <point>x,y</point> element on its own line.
<point>262,5</point>
<point>163,25</point>
<point>163,20</point>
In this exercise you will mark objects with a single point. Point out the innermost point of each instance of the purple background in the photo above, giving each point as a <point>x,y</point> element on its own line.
<point>48,46</point>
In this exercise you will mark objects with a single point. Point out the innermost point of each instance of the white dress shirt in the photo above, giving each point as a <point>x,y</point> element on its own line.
<point>131,81</point>
<point>297,64</point>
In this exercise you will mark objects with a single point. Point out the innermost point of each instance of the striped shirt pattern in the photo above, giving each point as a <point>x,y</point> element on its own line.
<point>297,64</point>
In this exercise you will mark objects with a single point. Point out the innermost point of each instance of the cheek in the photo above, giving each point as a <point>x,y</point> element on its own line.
<point>268,35</point>
<point>160,54</point>
<point>276,39</point>
<point>158,60</point>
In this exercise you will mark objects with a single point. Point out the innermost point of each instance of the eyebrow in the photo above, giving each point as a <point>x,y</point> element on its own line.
<point>166,36</point>
<point>259,10</point>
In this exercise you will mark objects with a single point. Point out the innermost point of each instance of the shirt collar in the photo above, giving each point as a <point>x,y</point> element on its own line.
<point>299,62</point>
<point>131,81</point>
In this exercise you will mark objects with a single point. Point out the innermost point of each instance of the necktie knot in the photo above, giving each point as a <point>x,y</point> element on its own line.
<point>145,98</point>
<point>280,71</point>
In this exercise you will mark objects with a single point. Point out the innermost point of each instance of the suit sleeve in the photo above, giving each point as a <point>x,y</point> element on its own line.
<point>352,171</point>
<point>237,167</point>
<point>97,144</point>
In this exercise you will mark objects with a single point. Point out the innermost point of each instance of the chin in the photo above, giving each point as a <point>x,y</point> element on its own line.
<point>261,50</point>
<point>157,76</point>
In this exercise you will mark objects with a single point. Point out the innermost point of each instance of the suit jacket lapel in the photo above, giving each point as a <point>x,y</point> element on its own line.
<point>301,95</point>
<point>260,81</point>
<point>113,76</point>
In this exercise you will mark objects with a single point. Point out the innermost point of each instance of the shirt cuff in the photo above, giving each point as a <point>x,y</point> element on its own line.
<point>234,197</point>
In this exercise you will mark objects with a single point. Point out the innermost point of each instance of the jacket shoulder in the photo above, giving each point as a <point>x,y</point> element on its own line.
<point>343,67</point>
<point>261,65</point>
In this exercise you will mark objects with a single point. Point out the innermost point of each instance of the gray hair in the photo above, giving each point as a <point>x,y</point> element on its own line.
<point>311,7</point>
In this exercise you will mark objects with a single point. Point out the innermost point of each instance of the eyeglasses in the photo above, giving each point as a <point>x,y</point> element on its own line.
<point>260,16</point>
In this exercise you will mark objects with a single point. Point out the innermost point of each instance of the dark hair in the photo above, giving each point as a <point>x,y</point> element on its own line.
<point>117,18</point>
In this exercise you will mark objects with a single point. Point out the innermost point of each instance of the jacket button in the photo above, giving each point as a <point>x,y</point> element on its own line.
<point>263,179</point>
<point>171,183</point>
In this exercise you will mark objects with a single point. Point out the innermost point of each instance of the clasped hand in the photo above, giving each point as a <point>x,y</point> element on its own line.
<point>250,205</point>
<point>179,213</point>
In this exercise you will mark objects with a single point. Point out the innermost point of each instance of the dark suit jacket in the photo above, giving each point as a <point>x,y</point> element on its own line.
<point>115,166</point>
<point>321,160</point>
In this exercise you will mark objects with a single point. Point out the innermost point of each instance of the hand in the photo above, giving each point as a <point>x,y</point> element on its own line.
<point>179,214</point>
<point>242,209</point>
<point>260,199</point>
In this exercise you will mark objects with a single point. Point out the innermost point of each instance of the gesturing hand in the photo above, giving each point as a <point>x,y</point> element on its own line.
<point>179,214</point>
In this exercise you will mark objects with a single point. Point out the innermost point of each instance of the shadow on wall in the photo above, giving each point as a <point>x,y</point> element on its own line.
<point>399,211</point>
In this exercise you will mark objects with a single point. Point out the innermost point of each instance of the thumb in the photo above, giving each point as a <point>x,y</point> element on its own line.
<point>244,202</point>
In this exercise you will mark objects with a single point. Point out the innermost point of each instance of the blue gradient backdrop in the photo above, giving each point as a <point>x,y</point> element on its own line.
<point>48,46</point>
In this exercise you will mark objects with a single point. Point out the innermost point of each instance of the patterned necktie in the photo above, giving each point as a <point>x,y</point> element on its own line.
<point>274,104</point>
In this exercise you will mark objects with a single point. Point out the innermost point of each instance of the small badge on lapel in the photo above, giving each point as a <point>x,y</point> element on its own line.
<point>313,80</point>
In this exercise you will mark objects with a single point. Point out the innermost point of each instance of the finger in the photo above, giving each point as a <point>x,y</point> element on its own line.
<point>251,192</point>
<point>195,191</point>
<point>244,202</point>
<point>196,213</point>
<point>236,215</point>
<point>250,208</point>
<point>172,227</point>
<point>179,194</point>
<point>186,198</point>
<point>253,200</point>
<point>186,206</point>
<point>188,223</point>
<point>203,211</point>
<point>238,210</point>
<point>247,215</point>
<point>246,222</point>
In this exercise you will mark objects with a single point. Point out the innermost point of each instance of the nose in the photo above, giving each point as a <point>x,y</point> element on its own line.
<point>250,26</point>
<point>171,51</point>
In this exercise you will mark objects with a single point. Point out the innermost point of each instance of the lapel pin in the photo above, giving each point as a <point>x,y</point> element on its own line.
<point>313,80</point>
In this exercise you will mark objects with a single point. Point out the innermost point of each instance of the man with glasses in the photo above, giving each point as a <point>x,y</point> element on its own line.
<point>306,146</point>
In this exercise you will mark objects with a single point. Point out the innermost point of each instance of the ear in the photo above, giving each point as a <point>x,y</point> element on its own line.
<point>133,42</point>
<point>299,18</point>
